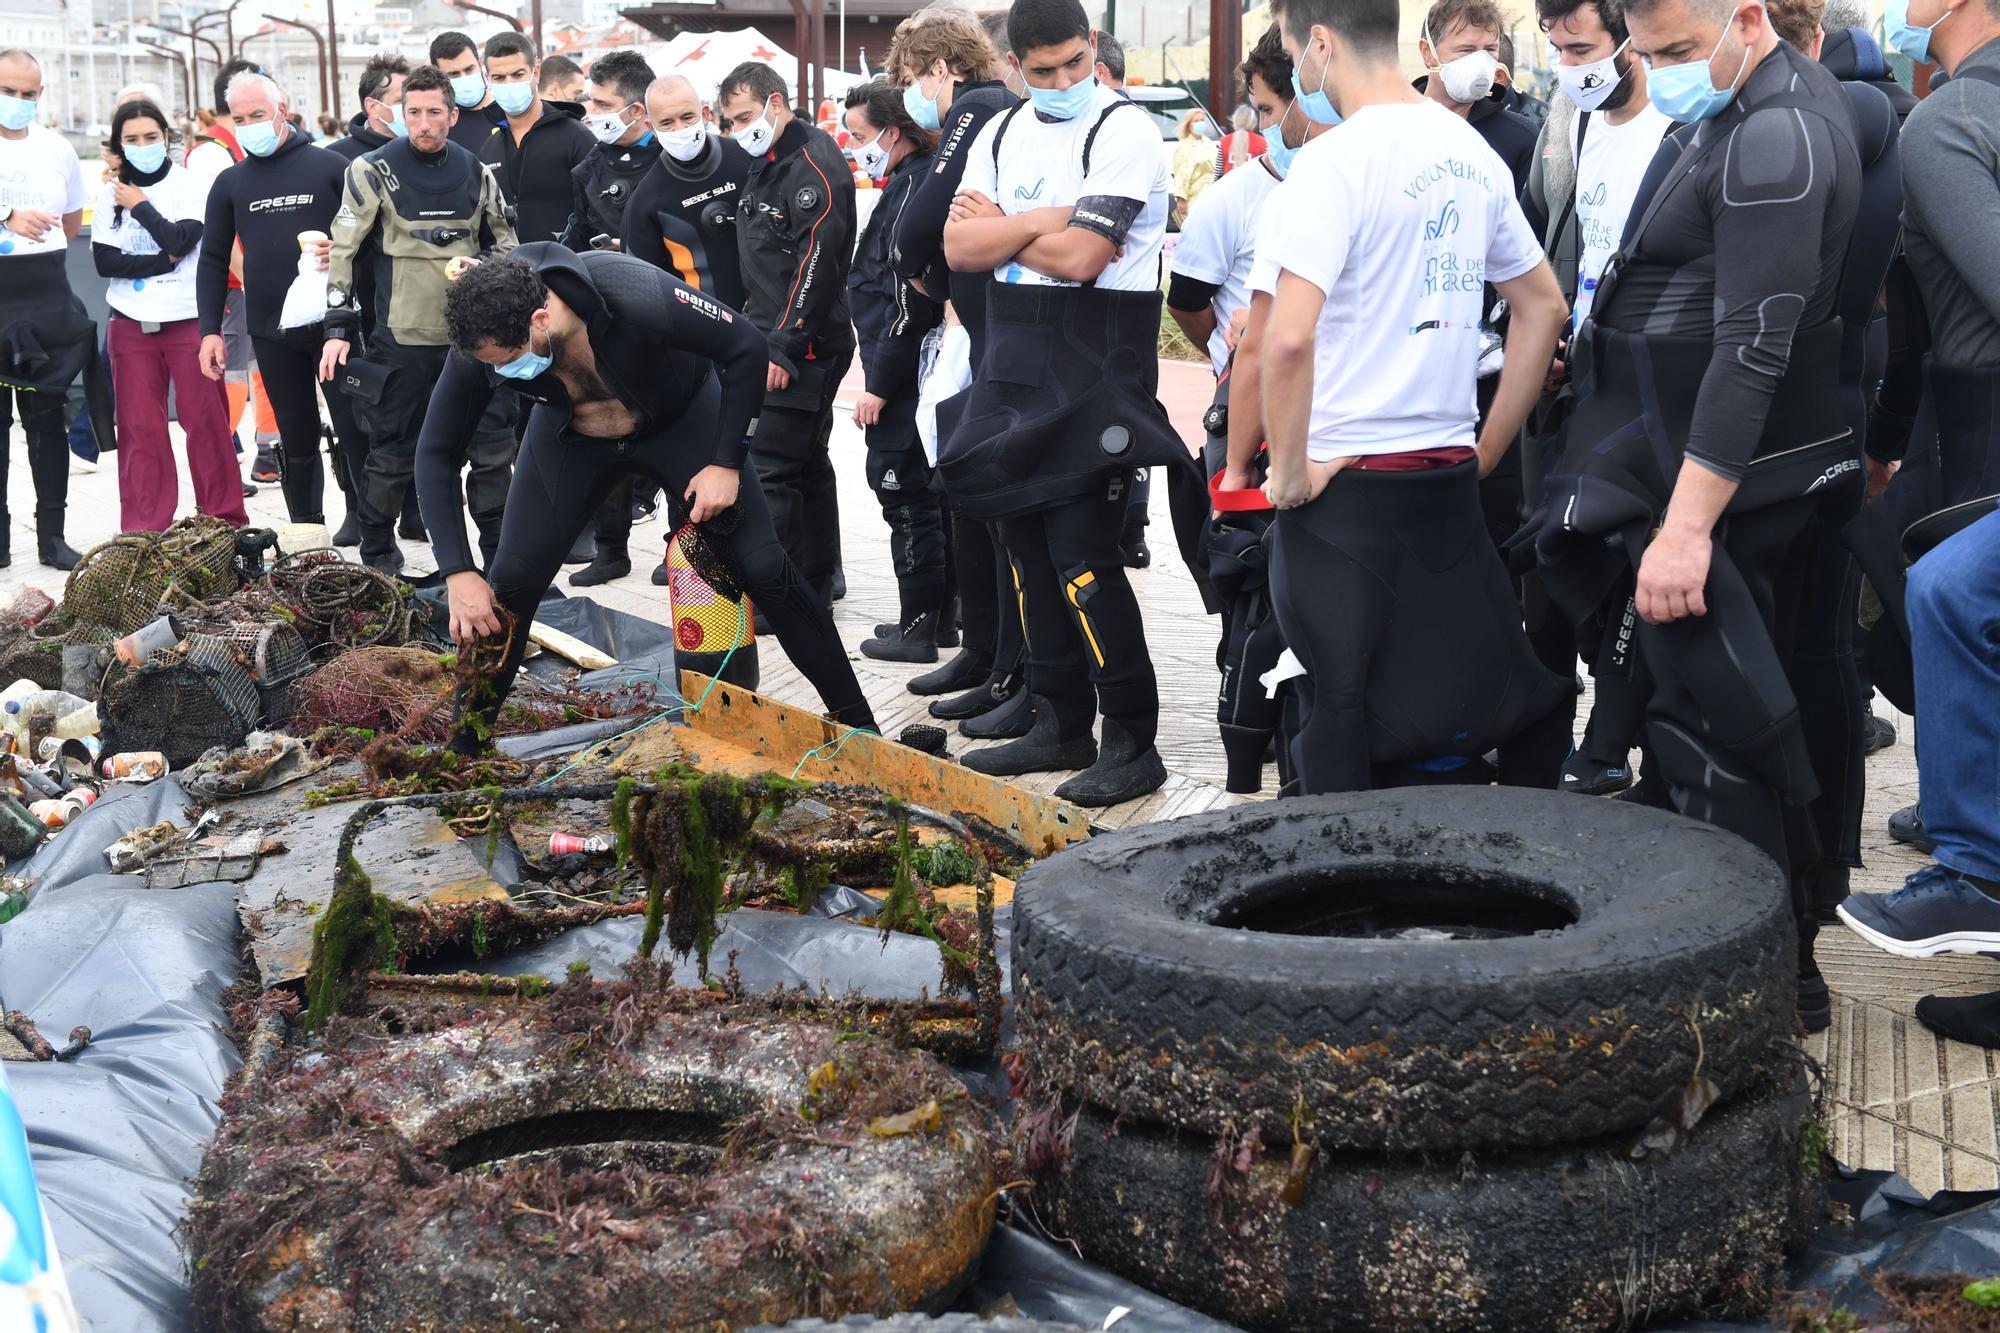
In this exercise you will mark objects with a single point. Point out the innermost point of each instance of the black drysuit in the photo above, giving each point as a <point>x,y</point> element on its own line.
<point>265,202</point>
<point>891,318</point>
<point>351,462</point>
<point>1714,339</point>
<point>795,237</point>
<point>691,372</point>
<point>990,624</point>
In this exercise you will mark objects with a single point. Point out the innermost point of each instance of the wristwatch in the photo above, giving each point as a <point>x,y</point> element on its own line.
<point>6,211</point>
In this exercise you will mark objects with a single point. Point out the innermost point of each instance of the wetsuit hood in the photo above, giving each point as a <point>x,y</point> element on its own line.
<point>564,272</point>
<point>1853,56</point>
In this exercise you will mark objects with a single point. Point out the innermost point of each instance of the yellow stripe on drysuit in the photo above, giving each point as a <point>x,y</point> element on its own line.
<point>1075,586</point>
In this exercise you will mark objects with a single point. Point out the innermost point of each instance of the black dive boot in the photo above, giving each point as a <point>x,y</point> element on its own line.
<point>1125,770</point>
<point>1040,750</point>
<point>984,697</point>
<point>608,564</point>
<point>915,640</point>
<point>966,670</point>
<point>1815,1001</point>
<point>55,552</point>
<point>1004,722</point>
<point>947,628</point>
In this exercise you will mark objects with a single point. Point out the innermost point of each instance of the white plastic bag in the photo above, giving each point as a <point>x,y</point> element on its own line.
<point>305,299</point>
<point>949,372</point>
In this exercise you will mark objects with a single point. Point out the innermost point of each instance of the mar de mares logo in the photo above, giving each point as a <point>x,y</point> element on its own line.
<point>1594,196</point>
<point>1444,224</point>
<point>1025,195</point>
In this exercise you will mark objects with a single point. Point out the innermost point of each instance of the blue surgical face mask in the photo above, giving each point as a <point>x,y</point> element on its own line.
<point>17,113</point>
<point>259,138</point>
<point>1316,104</point>
<point>528,364</point>
<point>144,158</point>
<point>397,129</point>
<point>1686,93</point>
<point>514,97</point>
<point>1064,103</point>
<point>1276,151</point>
<point>1905,39</point>
<point>468,89</point>
<point>923,110</point>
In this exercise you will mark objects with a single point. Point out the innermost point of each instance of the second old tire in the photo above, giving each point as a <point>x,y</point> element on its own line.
<point>1427,969</point>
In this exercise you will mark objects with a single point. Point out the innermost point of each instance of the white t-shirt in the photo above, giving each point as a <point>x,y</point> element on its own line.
<point>39,170</point>
<point>209,158</point>
<point>1615,158</point>
<point>1218,245</point>
<point>1400,216</point>
<point>180,196</point>
<point>1041,166</point>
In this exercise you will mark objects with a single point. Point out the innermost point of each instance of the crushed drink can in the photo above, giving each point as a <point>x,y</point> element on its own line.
<point>86,748</point>
<point>136,766</point>
<point>566,844</point>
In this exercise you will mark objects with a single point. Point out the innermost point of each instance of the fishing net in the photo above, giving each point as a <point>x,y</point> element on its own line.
<point>702,556</point>
<point>37,655</point>
<point>122,583</point>
<point>183,702</point>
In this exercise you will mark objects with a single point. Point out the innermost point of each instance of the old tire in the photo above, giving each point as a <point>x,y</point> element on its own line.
<point>598,1167</point>
<point>1130,997</point>
<point>1541,1241</point>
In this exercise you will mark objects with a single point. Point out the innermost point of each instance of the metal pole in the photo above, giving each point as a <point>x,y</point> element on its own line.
<point>819,54</point>
<point>333,63</point>
<point>1225,49</point>
<point>318,41</point>
<point>800,22</point>
<point>187,84</point>
<point>507,19</point>
<point>841,55</point>
<point>535,17</point>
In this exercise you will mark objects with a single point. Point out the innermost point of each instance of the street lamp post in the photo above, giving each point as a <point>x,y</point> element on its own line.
<point>325,99</point>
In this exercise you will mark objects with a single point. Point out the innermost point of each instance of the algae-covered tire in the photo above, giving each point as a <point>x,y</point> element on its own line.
<point>918,1323</point>
<point>1170,972</point>
<point>1538,1240</point>
<point>593,1165</point>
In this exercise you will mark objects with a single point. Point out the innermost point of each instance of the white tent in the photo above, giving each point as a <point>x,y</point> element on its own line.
<point>703,58</point>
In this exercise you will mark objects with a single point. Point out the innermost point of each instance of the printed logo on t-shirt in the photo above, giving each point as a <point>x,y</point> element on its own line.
<point>1027,195</point>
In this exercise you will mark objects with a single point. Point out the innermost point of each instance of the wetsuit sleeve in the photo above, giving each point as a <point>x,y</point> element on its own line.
<point>823,240</point>
<point>893,369</point>
<point>1769,204</point>
<point>577,235</point>
<point>352,226</point>
<point>115,263</point>
<point>918,239</point>
<point>639,235</point>
<point>175,238</point>
<point>460,397</point>
<point>1535,195</point>
<point>496,229</point>
<point>1951,175</point>
<point>1207,248</point>
<point>1124,166</point>
<point>681,317</point>
<point>1893,414</point>
<point>211,272</point>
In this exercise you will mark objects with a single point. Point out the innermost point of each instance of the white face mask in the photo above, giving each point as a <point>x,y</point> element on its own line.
<point>684,145</point>
<point>873,158</point>
<point>607,128</point>
<point>1468,78</point>
<point>1589,86</point>
<point>755,138</point>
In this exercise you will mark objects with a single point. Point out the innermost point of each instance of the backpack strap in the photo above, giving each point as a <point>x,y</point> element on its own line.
<point>1001,133</point>
<point>1090,139</point>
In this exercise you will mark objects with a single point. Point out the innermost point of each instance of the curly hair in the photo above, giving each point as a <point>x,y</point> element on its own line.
<point>491,303</point>
<point>941,32</point>
<point>1268,63</point>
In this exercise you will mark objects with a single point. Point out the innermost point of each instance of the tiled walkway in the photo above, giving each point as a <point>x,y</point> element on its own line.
<point>1902,1099</point>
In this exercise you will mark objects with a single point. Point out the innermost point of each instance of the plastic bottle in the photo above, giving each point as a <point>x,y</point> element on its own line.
<point>20,832</point>
<point>15,739</point>
<point>136,766</point>
<point>13,898</point>
<point>75,724</point>
<point>35,716</point>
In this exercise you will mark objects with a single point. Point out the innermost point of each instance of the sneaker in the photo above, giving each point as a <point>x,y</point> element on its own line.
<point>265,468</point>
<point>644,511</point>
<point>1907,826</point>
<point>1936,911</point>
<point>1974,1019</point>
<point>1879,735</point>
<point>248,490</point>
<point>1587,777</point>
<point>660,578</point>
<point>1136,555</point>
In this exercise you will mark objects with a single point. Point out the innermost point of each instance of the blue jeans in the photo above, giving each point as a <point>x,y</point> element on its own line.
<point>1954,612</point>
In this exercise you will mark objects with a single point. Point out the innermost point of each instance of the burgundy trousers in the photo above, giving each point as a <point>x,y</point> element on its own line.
<point>142,366</point>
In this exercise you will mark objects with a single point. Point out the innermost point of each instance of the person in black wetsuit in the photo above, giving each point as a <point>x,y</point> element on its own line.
<point>1709,431</point>
<point>631,372</point>
<point>953,84</point>
<point>892,315</point>
<point>285,185</point>
<point>603,186</point>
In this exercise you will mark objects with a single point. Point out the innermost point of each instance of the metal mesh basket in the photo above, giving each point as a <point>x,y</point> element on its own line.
<point>183,702</point>
<point>200,555</point>
<point>118,584</point>
<point>277,656</point>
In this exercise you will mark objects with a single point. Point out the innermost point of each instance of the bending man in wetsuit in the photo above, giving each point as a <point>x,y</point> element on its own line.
<point>1709,431</point>
<point>632,374</point>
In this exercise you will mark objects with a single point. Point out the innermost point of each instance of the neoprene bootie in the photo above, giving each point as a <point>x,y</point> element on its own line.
<point>608,564</point>
<point>1041,750</point>
<point>349,533</point>
<point>915,640</point>
<point>1124,770</point>
<point>984,697</point>
<point>1005,722</point>
<point>1243,753</point>
<point>966,670</point>
<point>55,552</point>
<point>1815,1001</point>
<point>582,551</point>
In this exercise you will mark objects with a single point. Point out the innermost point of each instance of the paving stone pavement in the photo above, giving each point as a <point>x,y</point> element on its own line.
<point>1900,1098</point>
